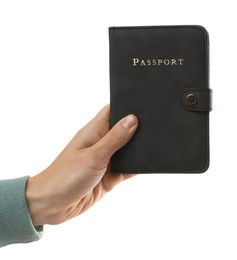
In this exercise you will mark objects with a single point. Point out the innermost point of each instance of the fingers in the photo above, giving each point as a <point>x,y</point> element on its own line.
<point>116,138</point>
<point>93,131</point>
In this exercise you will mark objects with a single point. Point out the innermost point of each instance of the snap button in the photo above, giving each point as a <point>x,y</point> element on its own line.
<point>191,99</point>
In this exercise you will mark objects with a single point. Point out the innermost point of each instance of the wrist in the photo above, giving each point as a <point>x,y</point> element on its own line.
<point>37,202</point>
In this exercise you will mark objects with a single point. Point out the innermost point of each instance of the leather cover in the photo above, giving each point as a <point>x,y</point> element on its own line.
<point>161,74</point>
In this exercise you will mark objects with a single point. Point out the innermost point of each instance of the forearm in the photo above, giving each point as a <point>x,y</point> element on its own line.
<point>15,221</point>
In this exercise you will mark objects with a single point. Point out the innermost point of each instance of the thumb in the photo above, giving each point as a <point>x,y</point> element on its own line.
<point>116,138</point>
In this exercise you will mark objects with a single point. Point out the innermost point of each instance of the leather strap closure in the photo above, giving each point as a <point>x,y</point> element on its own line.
<point>194,99</point>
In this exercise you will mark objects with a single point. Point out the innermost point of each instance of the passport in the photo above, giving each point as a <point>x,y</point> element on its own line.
<point>161,74</point>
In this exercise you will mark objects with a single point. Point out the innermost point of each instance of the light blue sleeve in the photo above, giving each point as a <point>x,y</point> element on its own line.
<point>15,221</point>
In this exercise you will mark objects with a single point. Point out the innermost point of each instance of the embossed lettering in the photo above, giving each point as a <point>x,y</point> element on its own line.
<point>135,61</point>
<point>173,62</point>
<point>181,61</point>
<point>158,62</point>
<point>148,63</point>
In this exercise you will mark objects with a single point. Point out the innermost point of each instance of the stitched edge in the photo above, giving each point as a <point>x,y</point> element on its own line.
<point>186,171</point>
<point>206,58</point>
<point>154,27</point>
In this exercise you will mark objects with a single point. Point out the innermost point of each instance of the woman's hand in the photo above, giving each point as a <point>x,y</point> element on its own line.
<point>80,175</point>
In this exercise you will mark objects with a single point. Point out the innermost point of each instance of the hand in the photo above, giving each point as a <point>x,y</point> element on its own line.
<point>81,174</point>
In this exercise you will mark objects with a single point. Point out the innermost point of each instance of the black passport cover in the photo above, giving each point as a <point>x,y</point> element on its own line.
<point>161,74</point>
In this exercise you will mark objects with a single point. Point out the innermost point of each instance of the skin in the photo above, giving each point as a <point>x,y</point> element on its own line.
<point>80,175</point>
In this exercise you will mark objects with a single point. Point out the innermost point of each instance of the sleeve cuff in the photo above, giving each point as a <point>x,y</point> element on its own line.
<point>15,221</point>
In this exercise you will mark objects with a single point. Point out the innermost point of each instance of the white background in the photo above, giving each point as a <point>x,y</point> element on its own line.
<point>54,77</point>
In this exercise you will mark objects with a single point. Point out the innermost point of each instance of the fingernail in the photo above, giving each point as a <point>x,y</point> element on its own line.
<point>129,121</point>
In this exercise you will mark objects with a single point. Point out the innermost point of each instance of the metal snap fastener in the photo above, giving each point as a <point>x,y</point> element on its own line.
<point>191,99</point>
